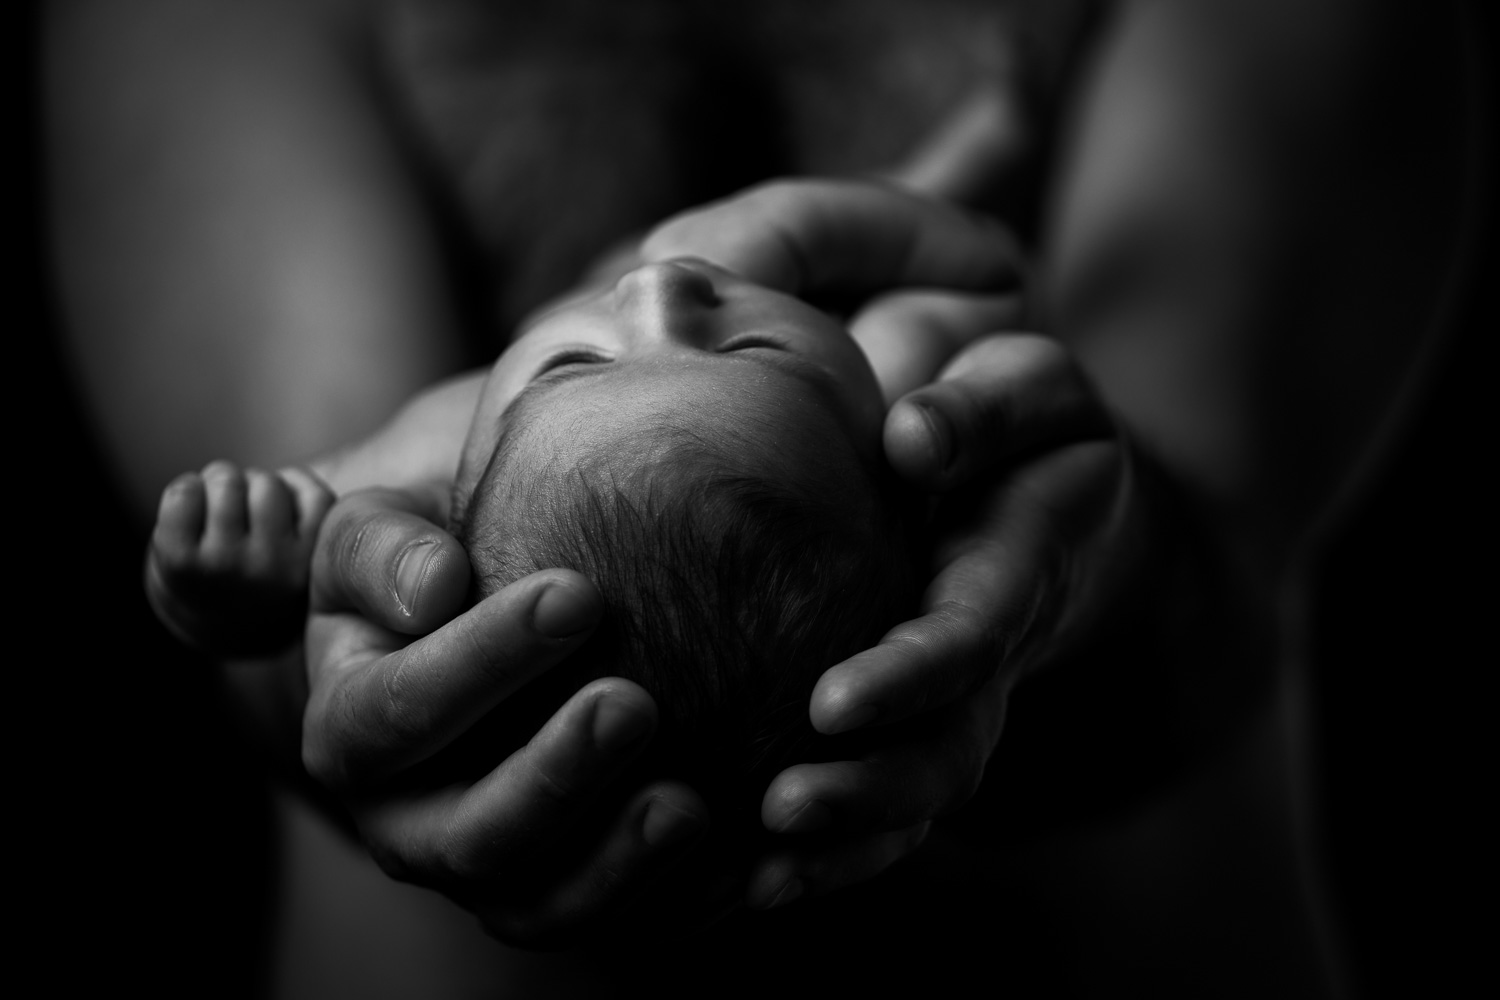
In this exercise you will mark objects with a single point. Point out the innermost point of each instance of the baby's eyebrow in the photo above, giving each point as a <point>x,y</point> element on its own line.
<point>802,369</point>
<point>536,387</point>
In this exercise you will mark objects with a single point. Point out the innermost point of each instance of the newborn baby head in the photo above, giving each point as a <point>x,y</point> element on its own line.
<point>707,452</point>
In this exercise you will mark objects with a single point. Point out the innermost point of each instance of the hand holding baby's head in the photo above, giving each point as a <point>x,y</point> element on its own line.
<point>706,452</point>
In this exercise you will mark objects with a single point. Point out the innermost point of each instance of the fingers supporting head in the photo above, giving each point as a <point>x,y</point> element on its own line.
<point>811,237</point>
<point>536,793</point>
<point>379,555</point>
<point>922,771</point>
<point>1017,560</point>
<point>1005,397</point>
<point>513,844</point>
<point>376,706</point>
<point>919,665</point>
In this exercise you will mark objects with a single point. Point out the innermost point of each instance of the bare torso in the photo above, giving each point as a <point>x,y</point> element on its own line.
<point>557,129</point>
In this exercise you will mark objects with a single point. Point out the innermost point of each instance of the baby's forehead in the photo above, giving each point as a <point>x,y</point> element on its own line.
<point>777,423</point>
<point>712,388</point>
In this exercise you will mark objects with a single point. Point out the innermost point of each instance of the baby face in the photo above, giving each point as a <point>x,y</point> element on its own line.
<point>688,337</point>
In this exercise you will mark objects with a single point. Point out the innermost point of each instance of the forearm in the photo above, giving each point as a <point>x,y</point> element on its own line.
<point>1236,257</point>
<point>420,444</point>
<point>243,269</point>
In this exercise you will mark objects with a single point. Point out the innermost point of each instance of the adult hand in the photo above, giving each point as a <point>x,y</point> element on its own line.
<point>381,710</point>
<point>1037,519</point>
<point>843,238</point>
<point>1035,515</point>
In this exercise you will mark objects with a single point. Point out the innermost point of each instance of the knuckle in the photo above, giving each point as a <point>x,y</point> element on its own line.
<point>319,762</point>
<point>325,755</point>
<point>355,539</point>
<point>402,711</point>
<point>971,642</point>
<point>549,783</point>
<point>392,860</point>
<point>454,859</point>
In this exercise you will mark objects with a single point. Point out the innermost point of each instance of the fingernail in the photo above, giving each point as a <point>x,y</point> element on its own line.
<point>618,726</point>
<point>790,890</point>
<point>666,826</point>
<point>811,818</point>
<point>561,612</point>
<point>939,431</point>
<point>855,718</point>
<point>411,568</point>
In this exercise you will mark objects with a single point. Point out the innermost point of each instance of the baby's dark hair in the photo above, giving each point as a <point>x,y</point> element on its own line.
<point>728,590</point>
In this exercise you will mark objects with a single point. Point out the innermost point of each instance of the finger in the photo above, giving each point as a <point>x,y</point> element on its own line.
<point>910,335</point>
<point>313,499</point>
<point>499,832</point>
<point>522,804</point>
<point>225,522</point>
<point>1003,398</point>
<point>1022,558</point>
<point>271,513</point>
<point>658,827</point>
<point>791,875</point>
<point>924,773</point>
<point>526,801</point>
<point>372,712</point>
<point>813,237</point>
<point>380,555</point>
<point>179,520</point>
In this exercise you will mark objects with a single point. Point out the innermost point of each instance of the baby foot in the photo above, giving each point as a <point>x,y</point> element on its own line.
<point>228,565</point>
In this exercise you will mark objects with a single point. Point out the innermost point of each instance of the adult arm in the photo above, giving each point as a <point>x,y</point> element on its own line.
<point>244,266</point>
<point>246,269</point>
<point>1248,275</point>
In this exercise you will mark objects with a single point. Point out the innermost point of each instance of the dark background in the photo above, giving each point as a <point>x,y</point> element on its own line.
<point>140,829</point>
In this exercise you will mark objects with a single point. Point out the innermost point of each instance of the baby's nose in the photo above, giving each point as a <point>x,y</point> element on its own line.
<point>666,299</point>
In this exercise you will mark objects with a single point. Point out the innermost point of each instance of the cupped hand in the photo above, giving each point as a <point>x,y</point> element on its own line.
<point>540,847</point>
<point>1036,521</point>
